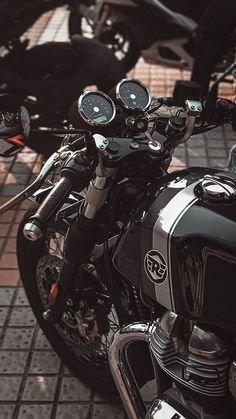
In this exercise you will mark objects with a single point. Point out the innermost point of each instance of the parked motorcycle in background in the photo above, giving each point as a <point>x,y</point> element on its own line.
<point>47,78</point>
<point>162,32</point>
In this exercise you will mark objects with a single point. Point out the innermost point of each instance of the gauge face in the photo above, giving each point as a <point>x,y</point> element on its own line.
<point>96,108</point>
<point>133,95</point>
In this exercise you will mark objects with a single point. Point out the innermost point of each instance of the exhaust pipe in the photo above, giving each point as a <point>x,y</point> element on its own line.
<point>121,370</point>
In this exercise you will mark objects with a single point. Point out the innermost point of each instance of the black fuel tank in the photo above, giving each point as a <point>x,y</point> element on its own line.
<point>181,247</point>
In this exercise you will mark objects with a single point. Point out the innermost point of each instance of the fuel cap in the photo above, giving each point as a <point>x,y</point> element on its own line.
<point>217,189</point>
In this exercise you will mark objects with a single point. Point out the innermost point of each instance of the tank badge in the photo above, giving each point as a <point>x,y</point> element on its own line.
<point>155,266</point>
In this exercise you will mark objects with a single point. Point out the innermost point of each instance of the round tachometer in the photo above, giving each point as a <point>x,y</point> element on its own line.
<point>96,108</point>
<point>131,94</point>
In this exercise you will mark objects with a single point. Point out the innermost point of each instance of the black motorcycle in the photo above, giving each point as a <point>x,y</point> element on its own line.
<point>117,239</point>
<point>48,78</point>
<point>162,32</point>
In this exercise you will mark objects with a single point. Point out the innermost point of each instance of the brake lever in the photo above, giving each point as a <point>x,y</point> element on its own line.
<point>193,109</point>
<point>46,169</point>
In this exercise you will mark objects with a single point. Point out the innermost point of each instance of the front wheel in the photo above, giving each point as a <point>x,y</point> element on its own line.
<point>76,337</point>
<point>116,35</point>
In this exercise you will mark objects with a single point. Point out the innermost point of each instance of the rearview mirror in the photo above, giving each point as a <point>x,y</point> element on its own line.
<point>14,125</point>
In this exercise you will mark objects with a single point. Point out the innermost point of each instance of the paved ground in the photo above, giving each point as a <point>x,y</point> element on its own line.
<point>33,382</point>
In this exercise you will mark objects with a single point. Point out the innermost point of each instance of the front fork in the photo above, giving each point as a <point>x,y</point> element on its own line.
<point>79,242</point>
<point>98,13</point>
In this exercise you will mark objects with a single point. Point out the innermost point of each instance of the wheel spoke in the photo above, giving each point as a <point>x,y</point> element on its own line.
<point>92,351</point>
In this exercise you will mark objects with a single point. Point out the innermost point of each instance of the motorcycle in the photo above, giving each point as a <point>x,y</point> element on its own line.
<point>47,78</point>
<point>98,240</point>
<point>162,32</point>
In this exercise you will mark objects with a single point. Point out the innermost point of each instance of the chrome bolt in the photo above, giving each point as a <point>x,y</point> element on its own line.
<point>140,125</point>
<point>65,316</point>
<point>134,146</point>
<point>47,314</point>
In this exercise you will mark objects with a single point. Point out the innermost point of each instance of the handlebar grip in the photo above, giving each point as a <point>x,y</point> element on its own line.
<point>220,111</point>
<point>33,230</point>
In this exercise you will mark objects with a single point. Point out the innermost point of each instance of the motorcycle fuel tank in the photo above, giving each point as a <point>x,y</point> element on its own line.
<point>180,248</point>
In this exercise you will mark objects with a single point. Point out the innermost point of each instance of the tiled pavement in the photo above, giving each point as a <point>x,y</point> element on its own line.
<point>33,382</point>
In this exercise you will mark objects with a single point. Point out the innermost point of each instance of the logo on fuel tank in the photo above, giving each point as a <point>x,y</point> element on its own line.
<point>155,266</point>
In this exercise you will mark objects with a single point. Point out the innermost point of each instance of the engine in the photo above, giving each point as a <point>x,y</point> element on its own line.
<point>198,362</point>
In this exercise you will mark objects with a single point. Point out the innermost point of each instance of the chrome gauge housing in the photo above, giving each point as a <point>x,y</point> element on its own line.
<point>131,94</point>
<point>96,108</point>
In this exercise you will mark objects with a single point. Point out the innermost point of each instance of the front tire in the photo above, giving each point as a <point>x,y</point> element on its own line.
<point>42,263</point>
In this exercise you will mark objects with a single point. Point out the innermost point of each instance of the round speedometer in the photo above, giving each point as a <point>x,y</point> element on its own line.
<point>96,108</point>
<point>131,94</point>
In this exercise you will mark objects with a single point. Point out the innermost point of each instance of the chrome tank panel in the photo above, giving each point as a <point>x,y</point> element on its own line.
<point>181,249</point>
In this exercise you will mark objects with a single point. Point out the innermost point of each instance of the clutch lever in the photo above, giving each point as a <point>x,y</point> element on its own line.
<point>46,169</point>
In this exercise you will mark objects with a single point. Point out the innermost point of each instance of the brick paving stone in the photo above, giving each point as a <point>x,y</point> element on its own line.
<point>12,362</point>
<point>2,241</point>
<point>218,163</point>
<point>6,295</point>
<point>39,389</point>
<point>180,152</point>
<point>17,178</point>
<point>4,229</point>
<point>22,167</point>
<point>35,411</point>
<point>217,152</point>
<point>22,316</point>
<point>72,411</point>
<point>8,261</point>
<point>196,152</point>
<point>198,161</point>
<point>19,215</point>
<point>6,411</point>
<point>44,363</point>
<point>215,143</point>
<point>179,162</point>
<point>21,299</point>
<point>3,315</point>
<point>9,277</point>
<point>11,190</point>
<point>106,397</point>
<point>14,230</point>
<point>73,390</point>
<point>18,338</point>
<point>4,167</point>
<point>41,341</point>
<point>9,388</point>
<point>111,411</point>
<point>7,216</point>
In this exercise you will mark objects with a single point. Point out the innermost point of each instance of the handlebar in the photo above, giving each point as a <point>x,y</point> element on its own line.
<point>76,173</point>
<point>33,230</point>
